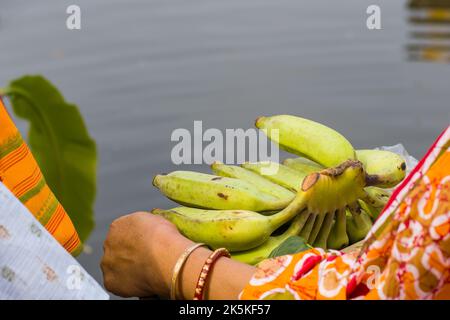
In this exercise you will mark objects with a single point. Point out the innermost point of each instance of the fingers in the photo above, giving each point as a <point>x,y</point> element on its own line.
<point>132,247</point>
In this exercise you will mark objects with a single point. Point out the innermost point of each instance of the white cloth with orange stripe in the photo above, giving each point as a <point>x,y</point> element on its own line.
<point>33,265</point>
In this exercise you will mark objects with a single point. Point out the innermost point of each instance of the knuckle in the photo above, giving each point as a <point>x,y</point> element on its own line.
<point>114,224</point>
<point>104,268</point>
<point>108,284</point>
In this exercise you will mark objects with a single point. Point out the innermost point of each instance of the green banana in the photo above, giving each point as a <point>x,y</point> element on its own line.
<point>338,238</point>
<point>239,230</point>
<point>255,255</point>
<point>283,175</point>
<point>371,211</point>
<point>307,138</point>
<point>358,225</point>
<point>260,182</point>
<point>384,169</point>
<point>236,230</point>
<point>306,230</point>
<point>318,222</point>
<point>322,237</point>
<point>376,197</point>
<point>374,201</point>
<point>253,200</point>
<point>213,192</point>
<point>302,165</point>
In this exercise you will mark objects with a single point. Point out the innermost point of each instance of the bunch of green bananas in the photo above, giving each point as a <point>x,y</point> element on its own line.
<point>330,193</point>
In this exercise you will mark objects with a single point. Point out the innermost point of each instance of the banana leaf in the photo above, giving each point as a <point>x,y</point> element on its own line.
<point>291,245</point>
<point>61,144</point>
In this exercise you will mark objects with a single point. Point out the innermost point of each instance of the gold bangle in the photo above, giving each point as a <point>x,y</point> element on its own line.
<point>177,268</point>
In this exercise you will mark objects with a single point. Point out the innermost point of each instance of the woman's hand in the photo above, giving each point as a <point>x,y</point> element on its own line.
<point>139,253</point>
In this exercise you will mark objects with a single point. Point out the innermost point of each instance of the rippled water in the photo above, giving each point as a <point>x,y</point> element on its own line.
<point>140,69</point>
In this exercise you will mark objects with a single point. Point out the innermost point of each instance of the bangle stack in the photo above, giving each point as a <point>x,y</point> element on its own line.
<point>178,266</point>
<point>209,264</point>
<point>204,274</point>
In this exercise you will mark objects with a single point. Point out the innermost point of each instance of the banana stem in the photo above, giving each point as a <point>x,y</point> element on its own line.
<point>306,231</point>
<point>374,180</point>
<point>295,207</point>
<point>338,236</point>
<point>316,228</point>
<point>280,204</point>
<point>342,227</point>
<point>340,221</point>
<point>297,224</point>
<point>321,240</point>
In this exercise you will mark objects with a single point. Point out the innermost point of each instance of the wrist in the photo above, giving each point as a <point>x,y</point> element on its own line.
<point>190,272</point>
<point>170,247</point>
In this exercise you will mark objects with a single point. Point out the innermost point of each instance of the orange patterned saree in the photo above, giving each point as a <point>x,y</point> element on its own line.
<point>20,173</point>
<point>406,255</point>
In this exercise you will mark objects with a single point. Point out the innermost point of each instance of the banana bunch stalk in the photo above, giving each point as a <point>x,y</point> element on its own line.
<point>254,256</point>
<point>329,194</point>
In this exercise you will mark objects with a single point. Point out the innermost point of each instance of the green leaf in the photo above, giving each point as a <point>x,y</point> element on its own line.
<point>61,145</point>
<point>291,245</point>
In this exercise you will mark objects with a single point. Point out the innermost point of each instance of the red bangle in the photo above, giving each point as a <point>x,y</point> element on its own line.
<point>209,264</point>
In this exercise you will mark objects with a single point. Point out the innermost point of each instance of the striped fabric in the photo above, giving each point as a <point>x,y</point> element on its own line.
<point>20,173</point>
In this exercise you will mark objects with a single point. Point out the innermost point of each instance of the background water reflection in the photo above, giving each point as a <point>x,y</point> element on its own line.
<point>430,30</point>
